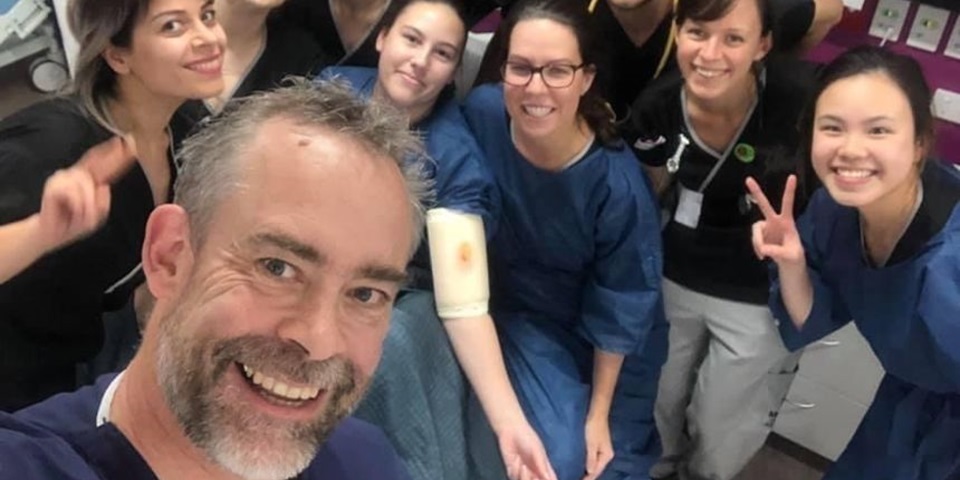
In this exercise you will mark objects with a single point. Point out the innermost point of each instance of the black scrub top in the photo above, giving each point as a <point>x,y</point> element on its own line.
<point>289,50</point>
<point>316,17</point>
<point>716,257</point>
<point>50,314</point>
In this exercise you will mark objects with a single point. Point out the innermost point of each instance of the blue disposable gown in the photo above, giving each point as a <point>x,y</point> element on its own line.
<point>575,266</point>
<point>58,439</point>
<point>909,312</point>
<point>418,394</point>
<point>462,182</point>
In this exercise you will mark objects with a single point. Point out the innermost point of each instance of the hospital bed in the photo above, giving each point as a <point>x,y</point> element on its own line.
<point>26,30</point>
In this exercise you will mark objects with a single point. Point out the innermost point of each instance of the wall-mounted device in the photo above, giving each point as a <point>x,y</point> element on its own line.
<point>854,5</point>
<point>953,41</point>
<point>928,27</point>
<point>946,105</point>
<point>888,19</point>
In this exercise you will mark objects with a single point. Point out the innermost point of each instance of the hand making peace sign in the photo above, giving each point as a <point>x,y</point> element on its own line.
<point>776,236</point>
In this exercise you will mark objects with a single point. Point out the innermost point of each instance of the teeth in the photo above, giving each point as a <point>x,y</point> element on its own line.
<point>708,73</point>
<point>278,388</point>
<point>537,111</point>
<point>207,66</point>
<point>850,173</point>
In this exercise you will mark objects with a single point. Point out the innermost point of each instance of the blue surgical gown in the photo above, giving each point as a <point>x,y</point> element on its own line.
<point>909,312</point>
<point>418,394</point>
<point>456,166</point>
<point>575,266</point>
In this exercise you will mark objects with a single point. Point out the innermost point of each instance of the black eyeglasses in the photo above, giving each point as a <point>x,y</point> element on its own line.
<point>558,75</point>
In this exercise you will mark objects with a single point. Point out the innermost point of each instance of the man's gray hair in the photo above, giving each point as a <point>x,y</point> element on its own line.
<point>211,158</point>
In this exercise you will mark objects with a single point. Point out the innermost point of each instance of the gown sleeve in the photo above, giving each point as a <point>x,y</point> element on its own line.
<point>828,313</point>
<point>621,299</point>
<point>938,308</point>
<point>463,181</point>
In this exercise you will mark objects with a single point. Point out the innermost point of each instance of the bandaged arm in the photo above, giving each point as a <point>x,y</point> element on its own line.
<point>462,291</point>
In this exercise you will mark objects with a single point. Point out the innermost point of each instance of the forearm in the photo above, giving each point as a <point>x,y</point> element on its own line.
<point>796,291</point>
<point>659,178</point>
<point>606,371</point>
<point>477,348</point>
<point>20,246</point>
<point>826,15</point>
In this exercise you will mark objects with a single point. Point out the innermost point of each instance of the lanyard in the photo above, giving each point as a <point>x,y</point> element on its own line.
<point>721,156</point>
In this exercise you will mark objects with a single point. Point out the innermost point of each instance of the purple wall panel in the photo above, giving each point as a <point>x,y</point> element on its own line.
<point>941,71</point>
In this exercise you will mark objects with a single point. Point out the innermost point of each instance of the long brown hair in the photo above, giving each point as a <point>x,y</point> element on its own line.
<point>98,24</point>
<point>573,14</point>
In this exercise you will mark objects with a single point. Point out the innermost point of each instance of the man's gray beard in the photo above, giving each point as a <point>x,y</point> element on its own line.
<point>248,443</point>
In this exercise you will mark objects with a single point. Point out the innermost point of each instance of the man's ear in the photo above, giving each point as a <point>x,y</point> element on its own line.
<point>167,253</point>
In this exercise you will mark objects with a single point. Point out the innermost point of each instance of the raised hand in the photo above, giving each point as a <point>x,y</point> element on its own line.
<point>523,453</point>
<point>776,237</point>
<point>599,446</point>
<point>76,200</point>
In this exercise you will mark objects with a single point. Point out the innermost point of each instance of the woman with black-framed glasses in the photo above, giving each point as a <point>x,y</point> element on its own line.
<point>575,263</point>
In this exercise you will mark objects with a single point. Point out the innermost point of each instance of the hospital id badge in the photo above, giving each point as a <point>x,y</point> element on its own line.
<point>688,208</point>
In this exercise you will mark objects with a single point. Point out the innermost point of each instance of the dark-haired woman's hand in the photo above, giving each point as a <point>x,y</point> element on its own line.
<point>776,237</point>
<point>599,446</point>
<point>523,453</point>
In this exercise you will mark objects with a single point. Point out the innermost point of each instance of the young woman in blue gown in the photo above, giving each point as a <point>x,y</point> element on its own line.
<point>879,246</point>
<point>419,395</point>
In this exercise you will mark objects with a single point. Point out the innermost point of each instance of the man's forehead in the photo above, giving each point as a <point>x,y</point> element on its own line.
<point>280,129</point>
<point>282,138</point>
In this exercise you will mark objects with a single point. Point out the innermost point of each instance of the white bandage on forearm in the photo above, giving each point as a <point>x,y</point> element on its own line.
<point>458,255</point>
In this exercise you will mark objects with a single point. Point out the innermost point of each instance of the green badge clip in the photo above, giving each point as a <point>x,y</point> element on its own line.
<point>745,153</point>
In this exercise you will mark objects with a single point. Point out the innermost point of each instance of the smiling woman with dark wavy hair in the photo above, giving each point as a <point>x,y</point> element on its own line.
<point>877,247</point>
<point>138,61</point>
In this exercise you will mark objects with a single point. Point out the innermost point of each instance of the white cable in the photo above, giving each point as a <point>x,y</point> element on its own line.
<point>887,32</point>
